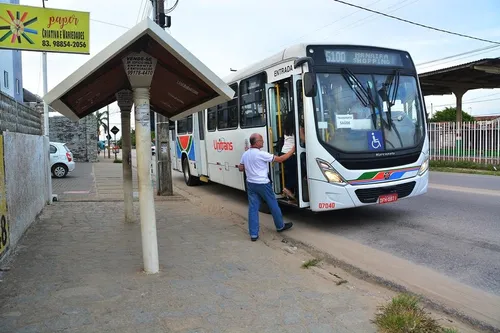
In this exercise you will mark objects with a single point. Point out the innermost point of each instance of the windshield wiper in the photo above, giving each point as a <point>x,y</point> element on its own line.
<point>392,81</point>
<point>363,95</point>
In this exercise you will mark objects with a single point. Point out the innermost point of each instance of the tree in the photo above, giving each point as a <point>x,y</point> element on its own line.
<point>132,138</point>
<point>450,114</point>
<point>102,119</point>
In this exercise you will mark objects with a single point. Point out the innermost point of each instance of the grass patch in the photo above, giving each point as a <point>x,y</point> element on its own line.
<point>465,167</point>
<point>117,161</point>
<point>311,263</point>
<point>469,171</point>
<point>403,314</point>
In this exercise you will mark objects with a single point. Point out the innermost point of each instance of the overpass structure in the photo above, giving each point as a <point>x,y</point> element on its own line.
<point>457,80</point>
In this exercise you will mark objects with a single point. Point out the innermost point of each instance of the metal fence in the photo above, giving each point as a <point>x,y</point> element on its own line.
<point>19,118</point>
<point>469,141</point>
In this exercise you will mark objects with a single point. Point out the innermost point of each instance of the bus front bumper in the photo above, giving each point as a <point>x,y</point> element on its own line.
<point>325,196</point>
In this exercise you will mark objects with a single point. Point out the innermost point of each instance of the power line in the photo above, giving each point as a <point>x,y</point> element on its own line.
<point>473,99</point>
<point>453,60</point>
<point>139,11</point>
<point>417,24</point>
<point>460,54</point>
<point>481,101</point>
<point>109,23</point>
<point>367,19</point>
<point>329,24</point>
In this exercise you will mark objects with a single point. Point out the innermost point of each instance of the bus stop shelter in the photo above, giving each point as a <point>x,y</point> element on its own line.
<point>147,68</point>
<point>457,80</point>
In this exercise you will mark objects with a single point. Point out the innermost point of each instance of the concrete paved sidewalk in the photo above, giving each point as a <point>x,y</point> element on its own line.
<point>79,269</point>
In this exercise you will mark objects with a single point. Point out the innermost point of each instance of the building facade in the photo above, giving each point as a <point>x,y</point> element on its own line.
<point>11,69</point>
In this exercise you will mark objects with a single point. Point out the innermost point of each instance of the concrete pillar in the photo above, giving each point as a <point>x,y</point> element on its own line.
<point>459,93</point>
<point>164,167</point>
<point>140,68</point>
<point>125,102</point>
<point>146,195</point>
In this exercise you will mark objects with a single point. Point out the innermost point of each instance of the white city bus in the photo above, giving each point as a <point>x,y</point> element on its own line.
<point>362,112</point>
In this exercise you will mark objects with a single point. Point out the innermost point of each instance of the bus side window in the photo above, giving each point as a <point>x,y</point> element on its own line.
<point>171,128</point>
<point>252,101</point>
<point>201,128</point>
<point>227,113</point>
<point>212,119</point>
<point>189,120</point>
<point>182,126</point>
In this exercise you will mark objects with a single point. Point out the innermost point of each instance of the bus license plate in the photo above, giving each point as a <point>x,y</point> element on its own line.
<point>386,198</point>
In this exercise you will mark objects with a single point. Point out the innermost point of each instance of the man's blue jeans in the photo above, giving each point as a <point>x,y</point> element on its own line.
<point>256,192</point>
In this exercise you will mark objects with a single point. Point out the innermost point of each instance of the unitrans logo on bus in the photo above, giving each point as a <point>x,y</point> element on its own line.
<point>222,144</point>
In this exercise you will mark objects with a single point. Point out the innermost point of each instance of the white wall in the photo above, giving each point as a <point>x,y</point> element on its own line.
<point>7,64</point>
<point>26,165</point>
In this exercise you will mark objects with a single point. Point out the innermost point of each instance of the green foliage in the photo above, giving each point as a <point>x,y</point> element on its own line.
<point>450,114</point>
<point>403,314</point>
<point>311,263</point>
<point>463,165</point>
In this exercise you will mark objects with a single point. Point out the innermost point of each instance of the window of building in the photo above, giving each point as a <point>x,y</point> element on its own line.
<point>6,79</point>
<point>252,101</point>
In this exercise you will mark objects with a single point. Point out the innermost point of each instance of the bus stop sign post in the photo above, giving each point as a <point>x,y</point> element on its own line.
<point>115,130</point>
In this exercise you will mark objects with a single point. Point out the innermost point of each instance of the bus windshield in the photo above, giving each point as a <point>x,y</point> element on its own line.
<point>368,112</point>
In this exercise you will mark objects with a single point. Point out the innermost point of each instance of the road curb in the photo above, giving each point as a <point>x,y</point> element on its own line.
<point>360,273</point>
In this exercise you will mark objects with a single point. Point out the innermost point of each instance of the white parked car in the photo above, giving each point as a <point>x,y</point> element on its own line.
<point>61,159</point>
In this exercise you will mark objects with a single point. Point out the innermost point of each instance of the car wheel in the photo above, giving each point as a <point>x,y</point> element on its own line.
<point>59,170</point>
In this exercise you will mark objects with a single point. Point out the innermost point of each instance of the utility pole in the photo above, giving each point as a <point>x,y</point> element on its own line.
<point>164,185</point>
<point>46,120</point>
<point>108,136</point>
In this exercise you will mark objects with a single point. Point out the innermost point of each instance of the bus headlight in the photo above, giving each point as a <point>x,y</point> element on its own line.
<point>424,167</point>
<point>330,174</point>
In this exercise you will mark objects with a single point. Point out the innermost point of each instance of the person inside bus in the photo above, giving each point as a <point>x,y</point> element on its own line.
<point>290,164</point>
<point>254,163</point>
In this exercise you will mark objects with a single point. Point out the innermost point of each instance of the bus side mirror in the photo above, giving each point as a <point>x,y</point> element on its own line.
<point>310,88</point>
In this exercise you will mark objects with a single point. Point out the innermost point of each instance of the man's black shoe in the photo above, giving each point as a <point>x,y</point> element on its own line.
<point>254,238</point>
<point>287,226</point>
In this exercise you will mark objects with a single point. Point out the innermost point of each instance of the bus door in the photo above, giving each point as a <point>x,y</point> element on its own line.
<point>300,148</point>
<point>280,99</point>
<point>274,128</point>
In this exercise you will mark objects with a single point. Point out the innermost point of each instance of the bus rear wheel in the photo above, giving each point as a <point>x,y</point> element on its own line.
<point>188,178</point>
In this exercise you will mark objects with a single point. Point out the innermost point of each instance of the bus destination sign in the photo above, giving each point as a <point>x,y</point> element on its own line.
<point>358,57</point>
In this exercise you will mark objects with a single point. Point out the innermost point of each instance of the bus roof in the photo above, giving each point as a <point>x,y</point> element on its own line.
<point>289,53</point>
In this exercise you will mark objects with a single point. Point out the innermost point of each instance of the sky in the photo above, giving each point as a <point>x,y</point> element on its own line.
<point>228,34</point>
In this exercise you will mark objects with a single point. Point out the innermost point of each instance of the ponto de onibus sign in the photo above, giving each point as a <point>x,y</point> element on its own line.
<point>44,29</point>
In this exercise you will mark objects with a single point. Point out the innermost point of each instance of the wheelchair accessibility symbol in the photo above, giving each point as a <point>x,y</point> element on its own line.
<point>375,140</point>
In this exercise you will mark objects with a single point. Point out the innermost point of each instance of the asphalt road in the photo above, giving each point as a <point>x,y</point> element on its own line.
<point>449,230</point>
